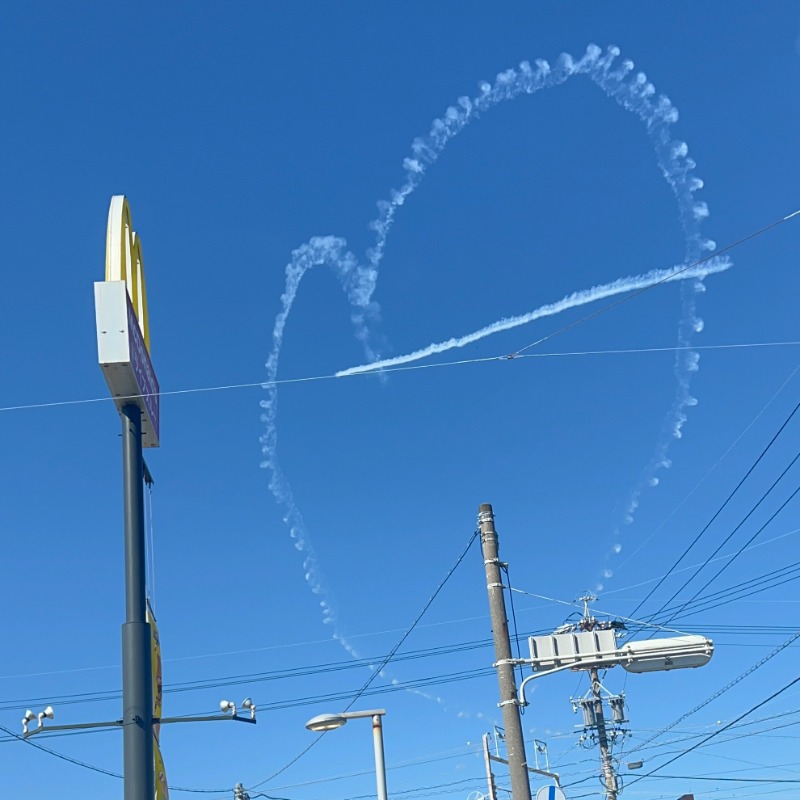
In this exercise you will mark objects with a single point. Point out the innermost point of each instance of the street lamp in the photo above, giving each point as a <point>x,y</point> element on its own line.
<point>598,649</point>
<point>328,722</point>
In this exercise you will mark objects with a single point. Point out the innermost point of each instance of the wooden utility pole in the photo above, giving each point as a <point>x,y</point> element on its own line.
<point>509,704</point>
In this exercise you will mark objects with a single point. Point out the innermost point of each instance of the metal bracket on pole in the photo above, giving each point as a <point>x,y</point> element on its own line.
<point>78,726</point>
<point>208,718</point>
<point>521,695</point>
<point>513,702</point>
<point>553,775</point>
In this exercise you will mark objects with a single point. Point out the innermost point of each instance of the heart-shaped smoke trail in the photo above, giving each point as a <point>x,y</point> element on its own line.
<point>631,90</point>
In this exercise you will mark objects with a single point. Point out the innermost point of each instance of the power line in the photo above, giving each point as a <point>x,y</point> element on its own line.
<point>749,671</point>
<point>377,671</point>
<point>718,732</point>
<point>711,469</point>
<point>61,756</point>
<point>668,277</point>
<point>736,592</point>
<point>749,541</point>
<point>719,511</point>
<point>732,533</point>
<point>403,368</point>
<point>692,566</point>
<point>718,778</point>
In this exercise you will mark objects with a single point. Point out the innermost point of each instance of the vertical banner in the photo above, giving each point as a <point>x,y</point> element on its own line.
<point>162,791</point>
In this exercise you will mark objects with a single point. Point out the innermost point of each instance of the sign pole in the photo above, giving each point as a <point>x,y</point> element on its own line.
<point>123,348</point>
<point>137,682</point>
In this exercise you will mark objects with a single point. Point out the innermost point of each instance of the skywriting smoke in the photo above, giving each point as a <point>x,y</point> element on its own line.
<point>633,92</point>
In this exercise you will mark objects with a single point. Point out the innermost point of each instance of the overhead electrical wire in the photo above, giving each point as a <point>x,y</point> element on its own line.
<point>353,697</point>
<point>717,732</point>
<point>376,671</point>
<point>742,548</point>
<point>721,508</point>
<point>744,519</point>
<point>627,298</point>
<point>607,592</point>
<point>709,471</point>
<point>738,679</point>
<point>756,585</point>
<point>404,368</point>
<point>61,756</point>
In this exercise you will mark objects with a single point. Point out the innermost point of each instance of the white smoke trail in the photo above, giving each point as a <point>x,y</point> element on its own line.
<point>631,91</point>
<point>581,298</point>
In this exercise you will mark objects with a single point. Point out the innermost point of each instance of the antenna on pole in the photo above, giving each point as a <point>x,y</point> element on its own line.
<point>588,621</point>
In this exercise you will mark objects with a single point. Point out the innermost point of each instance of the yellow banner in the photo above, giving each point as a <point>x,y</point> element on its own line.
<point>162,792</point>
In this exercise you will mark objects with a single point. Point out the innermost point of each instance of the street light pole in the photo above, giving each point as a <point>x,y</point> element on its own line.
<point>380,764</point>
<point>329,722</point>
<point>137,680</point>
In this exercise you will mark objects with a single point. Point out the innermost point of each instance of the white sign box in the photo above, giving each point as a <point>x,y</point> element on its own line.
<point>124,358</point>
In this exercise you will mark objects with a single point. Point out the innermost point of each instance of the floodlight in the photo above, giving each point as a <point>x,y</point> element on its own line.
<point>29,717</point>
<point>227,705</point>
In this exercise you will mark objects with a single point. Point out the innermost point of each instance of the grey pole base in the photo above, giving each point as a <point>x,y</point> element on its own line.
<point>137,672</point>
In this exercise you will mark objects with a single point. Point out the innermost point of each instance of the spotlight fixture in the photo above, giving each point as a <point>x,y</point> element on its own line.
<point>227,706</point>
<point>28,718</point>
<point>251,706</point>
<point>48,713</point>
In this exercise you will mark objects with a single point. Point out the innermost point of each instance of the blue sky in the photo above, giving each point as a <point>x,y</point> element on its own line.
<point>241,131</point>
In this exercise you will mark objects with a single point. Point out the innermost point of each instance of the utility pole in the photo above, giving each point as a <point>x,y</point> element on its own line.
<point>588,623</point>
<point>487,758</point>
<point>239,793</point>
<point>137,678</point>
<point>609,776</point>
<point>509,704</point>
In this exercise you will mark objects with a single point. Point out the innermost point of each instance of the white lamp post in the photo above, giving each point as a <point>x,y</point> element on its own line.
<point>329,722</point>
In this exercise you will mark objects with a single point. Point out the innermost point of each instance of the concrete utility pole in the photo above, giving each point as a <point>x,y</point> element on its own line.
<point>487,758</point>
<point>517,762</point>
<point>588,623</point>
<point>137,676</point>
<point>609,776</point>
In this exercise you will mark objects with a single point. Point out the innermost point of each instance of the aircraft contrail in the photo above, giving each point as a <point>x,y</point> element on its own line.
<point>629,89</point>
<point>581,298</point>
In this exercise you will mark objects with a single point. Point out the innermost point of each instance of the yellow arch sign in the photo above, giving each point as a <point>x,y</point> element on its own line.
<point>124,260</point>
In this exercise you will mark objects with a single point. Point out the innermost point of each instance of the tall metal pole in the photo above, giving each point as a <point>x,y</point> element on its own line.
<point>609,776</point>
<point>380,764</point>
<point>487,760</point>
<point>517,763</point>
<point>137,680</point>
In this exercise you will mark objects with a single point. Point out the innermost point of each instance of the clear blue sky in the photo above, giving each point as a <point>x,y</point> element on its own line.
<point>241,130</point>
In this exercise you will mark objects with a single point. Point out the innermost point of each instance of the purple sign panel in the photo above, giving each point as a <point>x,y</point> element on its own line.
<point>143,369</point>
